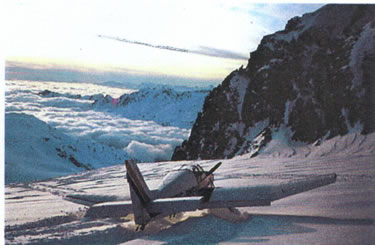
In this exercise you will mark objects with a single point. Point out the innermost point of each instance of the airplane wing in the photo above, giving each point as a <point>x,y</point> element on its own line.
<point>265,194</point>
<point>216,198</point>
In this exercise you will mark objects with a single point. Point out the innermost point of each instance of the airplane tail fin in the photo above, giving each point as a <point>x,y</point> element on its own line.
<point>139,192</point>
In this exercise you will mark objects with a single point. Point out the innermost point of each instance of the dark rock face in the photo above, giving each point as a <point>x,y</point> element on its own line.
<point>315,78</point>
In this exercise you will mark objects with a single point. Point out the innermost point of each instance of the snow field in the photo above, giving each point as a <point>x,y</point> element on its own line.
<point>341,213</point>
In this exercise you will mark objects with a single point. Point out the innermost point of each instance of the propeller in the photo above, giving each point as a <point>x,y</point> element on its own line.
<point>213,169</point>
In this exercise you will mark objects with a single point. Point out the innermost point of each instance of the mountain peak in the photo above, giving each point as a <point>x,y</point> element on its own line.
<point>314,78</point>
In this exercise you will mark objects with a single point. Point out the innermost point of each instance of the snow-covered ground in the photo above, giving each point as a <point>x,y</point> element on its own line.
<point>341,213</point>
<point>45,117</point>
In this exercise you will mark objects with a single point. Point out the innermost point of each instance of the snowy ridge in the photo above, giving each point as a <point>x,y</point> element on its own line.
<point>163,105</point>
<point>50,94</point>
<point>281,146</point>
<point>34,151</point>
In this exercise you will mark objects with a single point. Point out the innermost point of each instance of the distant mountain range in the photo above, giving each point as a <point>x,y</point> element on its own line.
<point>307,83</point>
<point>165,105</point>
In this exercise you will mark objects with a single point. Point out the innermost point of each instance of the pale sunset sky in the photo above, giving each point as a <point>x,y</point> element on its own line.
<point>209,38</point>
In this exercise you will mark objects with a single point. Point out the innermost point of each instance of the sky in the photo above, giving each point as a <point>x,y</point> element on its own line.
<point>197,41</point>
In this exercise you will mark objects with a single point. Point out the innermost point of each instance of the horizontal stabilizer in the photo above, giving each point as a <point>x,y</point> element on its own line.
<point>110,210</point>
<point>166,206</point>
<point>89,200</point>
<point>169,206</point>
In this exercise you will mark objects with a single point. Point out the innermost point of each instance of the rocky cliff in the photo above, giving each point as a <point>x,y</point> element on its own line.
<point>311,81</point>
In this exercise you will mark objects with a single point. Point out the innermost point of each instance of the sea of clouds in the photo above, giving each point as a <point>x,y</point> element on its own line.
<point>143,140</point>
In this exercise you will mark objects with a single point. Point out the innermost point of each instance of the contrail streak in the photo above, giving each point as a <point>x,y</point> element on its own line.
<point>206,51</point>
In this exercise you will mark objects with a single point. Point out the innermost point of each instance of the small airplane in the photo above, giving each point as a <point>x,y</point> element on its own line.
<point>188,188</point>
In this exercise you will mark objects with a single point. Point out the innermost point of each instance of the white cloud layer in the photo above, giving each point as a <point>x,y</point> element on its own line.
<point>144,140</point>
<point>147,152</point>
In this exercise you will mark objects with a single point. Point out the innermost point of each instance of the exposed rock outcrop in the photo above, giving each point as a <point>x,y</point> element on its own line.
<point>315,78</point>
